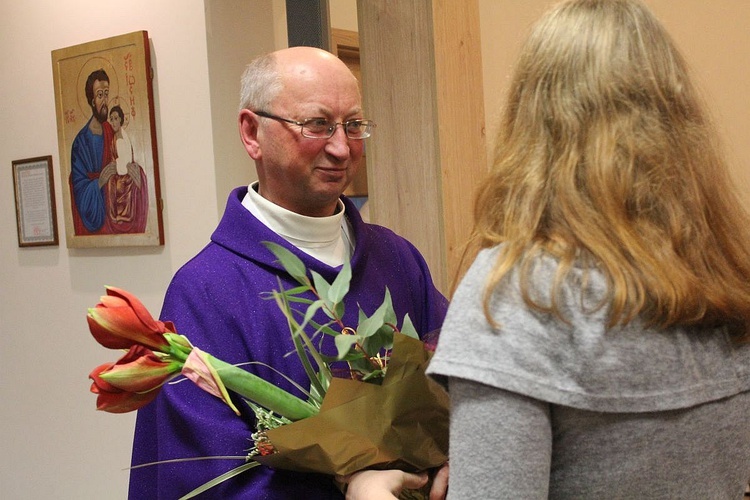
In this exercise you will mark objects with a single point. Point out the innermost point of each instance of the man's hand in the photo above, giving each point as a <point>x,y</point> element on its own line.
<point>381,484</point>
<point>107,172</point>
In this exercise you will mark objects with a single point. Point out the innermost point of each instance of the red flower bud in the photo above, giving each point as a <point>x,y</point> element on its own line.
<point>140,370</point>
<point>120,321</point>
<point>131,382</point>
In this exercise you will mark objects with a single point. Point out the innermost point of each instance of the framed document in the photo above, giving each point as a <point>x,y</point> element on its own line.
<point>36,214</point>
<point>107,140</point>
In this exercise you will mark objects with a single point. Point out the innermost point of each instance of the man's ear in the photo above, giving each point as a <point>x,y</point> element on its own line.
<point>248,125</point>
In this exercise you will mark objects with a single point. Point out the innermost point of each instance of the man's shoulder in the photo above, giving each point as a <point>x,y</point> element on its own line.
<point>85,136</point>
<point>382,237</point>
<point>215,262</point>
<point>206,262</point>
<point>378,231</point>
<point>82,134</point>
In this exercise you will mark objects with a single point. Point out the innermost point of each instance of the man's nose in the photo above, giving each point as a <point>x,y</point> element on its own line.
<point>338,144</point>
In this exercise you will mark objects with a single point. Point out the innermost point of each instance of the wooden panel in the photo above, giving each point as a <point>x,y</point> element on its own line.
<point>463,153</point>
<point>345,44</point>
<point>421,68</point>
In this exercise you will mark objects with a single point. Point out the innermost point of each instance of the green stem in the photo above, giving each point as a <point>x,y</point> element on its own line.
<point>262,392</point>
<point>178,353</point>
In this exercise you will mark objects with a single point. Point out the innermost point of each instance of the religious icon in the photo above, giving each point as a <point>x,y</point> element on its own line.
<point>107,143</point>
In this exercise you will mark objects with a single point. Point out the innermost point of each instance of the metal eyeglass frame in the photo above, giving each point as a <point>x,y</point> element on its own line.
<point>330,128</point>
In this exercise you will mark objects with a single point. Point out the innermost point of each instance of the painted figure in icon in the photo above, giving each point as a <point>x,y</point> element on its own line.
<point>127,200</point>
<point>104,201</point>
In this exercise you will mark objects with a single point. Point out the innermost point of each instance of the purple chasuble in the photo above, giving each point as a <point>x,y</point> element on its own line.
<point>216,300</point>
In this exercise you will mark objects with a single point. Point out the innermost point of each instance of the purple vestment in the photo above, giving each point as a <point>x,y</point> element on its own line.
<point>216,301</point>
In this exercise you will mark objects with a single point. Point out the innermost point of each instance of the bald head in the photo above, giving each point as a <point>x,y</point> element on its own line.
<point>310,62</point>
<point>266,76</point>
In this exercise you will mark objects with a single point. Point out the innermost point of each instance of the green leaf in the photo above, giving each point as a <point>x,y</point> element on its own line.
<point>325,382</point>
<point>290,295</point>
<point>220,479</point>
<point>311,310</point>
<point>298,300</point>
<point>372,324</point>
<point>352,356</point>
<point>344,344</point>
<point>339,310</point>
<point>380,340</point>
<point>390,314</point>
<point>298,336</point>
<point>407,328</point>
<point>324,376</point>
<point>374,375</point>
<point>382,316</point>
<point>289,291</point>
<point>326,329</point>
<point>361,365</point>
<point>340,286</point>
<point>321,289</point>
<point>291,263</point>
<point>321,285</point>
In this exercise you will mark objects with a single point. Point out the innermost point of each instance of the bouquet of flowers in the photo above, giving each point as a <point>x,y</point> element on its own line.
<point>334,430</point>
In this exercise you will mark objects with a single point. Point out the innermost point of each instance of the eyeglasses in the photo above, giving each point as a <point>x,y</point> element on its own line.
<point>322,128</point>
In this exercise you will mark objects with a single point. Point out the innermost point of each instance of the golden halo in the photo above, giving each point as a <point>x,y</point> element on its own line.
<point>116,100</point>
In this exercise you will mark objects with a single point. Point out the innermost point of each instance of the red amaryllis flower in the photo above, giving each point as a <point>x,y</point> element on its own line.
<point>131,382</point>
<point>140,370</point>
<point>120,321</point>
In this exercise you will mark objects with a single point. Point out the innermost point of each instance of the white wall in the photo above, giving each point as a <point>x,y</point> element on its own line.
<point>54,444</point>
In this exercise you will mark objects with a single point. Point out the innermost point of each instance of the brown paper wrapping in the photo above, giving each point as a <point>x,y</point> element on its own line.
<point>401,424</point>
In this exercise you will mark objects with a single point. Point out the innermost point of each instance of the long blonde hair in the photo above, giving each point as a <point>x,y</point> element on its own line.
<point>606,158</point>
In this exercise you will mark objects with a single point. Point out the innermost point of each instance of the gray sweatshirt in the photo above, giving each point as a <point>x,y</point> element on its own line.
<point>545,409</point>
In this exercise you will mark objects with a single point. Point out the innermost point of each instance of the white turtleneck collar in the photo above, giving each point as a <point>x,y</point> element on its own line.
<point>328,239</point>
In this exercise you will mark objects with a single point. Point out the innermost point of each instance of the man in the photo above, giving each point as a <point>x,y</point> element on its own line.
<point>301,122</point>
<point>91,161</point>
